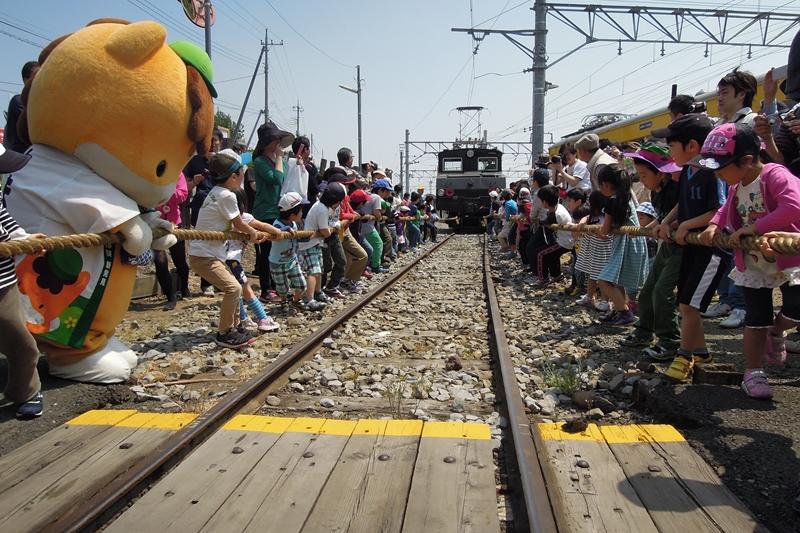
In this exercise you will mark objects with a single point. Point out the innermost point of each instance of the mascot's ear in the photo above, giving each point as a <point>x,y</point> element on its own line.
<point>201,123</point>
<point>109,21</point>
<point>133,44</point>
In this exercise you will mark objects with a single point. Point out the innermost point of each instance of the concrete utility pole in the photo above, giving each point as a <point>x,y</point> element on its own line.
<point>298,110</point>
<point>539,82</point>
<point>401,169</point>
<point>255,127</point>
<point>207,28</point>
<point>357,92</point>
<point>408,170</point>
<point>267,43</point>
<point>235,132</point>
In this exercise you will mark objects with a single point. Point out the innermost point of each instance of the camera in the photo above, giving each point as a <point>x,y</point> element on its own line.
<point>555,159</point>
<point>791,114</point>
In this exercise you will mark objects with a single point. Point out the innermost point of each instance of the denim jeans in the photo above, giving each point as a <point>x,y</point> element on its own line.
<point>730,293</point>
<point>413,235</point>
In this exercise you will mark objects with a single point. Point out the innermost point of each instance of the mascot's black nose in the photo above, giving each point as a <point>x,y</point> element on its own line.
<point>160,168</point>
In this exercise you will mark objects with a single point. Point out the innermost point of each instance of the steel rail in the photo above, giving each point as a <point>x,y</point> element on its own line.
<point>539,509</point>
<point>90,514</point>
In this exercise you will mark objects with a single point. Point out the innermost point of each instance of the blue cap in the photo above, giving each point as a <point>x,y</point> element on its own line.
<point>382,184</point>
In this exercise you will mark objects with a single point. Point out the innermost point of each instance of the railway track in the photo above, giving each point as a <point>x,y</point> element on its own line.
<point>445,358</point>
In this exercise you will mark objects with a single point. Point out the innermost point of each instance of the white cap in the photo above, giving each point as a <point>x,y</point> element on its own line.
<point>289,201</point>
<point>231,153</point>
<point>524,191</point>
<point>493,194</point>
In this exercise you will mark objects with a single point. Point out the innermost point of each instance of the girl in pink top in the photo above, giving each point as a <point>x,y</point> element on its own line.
<point>762,198</point>
<point>171,212</point>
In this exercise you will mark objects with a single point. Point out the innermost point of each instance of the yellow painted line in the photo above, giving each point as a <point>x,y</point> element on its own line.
<point>338,427</point>
<point>305,425</point>
<point>101,417</point>
<point>172,421</point>
<point>370,427</point>
<point>137,420</point>
<point>553,431</point>
<point>456,430</point>
<point>403,428</point>
<point>241,423</point>
<point>627,434</point>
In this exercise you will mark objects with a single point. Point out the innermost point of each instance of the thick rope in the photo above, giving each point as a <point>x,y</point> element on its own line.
<point>781,245</point>
<point>88,240</point>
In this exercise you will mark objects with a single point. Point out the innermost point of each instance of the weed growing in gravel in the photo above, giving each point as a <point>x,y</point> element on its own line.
<point>394,393</point>
<point>567,379</point>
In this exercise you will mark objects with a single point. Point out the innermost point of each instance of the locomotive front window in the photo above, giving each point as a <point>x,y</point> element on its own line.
<point>452,164</point>
<point>487,164</point>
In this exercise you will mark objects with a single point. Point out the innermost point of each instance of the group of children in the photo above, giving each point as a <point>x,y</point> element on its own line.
<point>704,178</point>
<point>301,267</point>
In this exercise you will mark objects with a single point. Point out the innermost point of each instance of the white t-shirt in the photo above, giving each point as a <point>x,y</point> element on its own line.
<point>563,238</point>
<point>318,217</point>
<point>579,170</point>
<point>235,248</point>
<point>368,208</point>
<point>216,213</point>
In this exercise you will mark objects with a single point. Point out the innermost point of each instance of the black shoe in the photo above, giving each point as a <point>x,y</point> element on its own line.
<point>33,408</point>
<point>232,339</point>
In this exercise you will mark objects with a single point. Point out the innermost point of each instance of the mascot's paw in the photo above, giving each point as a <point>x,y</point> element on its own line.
<point>138,236</point>
<point>155,222</point>
<point>165,243</point>
<point>112,363</point>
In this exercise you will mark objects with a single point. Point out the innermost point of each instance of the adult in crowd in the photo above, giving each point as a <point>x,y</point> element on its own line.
<point>569,170</point>
<point>588,148</point>
<point>735,93</point>
<point>268,168</point>
<point>296,174</point>
<point>681,104</point>
<point>199,182</point>
<point>15,107</point>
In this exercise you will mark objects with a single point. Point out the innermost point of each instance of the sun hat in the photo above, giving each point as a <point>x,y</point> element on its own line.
<point>656,155</point>
<point>290,200</point>
<point>11,161</point>
<point>524,191</point>
<point>647,209</point>
<point>378,172</point>
<point>269,131</point>
<point>725,144</point>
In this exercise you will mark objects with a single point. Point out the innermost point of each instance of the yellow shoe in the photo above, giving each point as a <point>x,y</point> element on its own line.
<point>680,369</point>
<point>703,359</point>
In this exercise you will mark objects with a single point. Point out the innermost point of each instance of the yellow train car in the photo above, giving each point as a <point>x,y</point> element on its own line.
<point>638,128</point>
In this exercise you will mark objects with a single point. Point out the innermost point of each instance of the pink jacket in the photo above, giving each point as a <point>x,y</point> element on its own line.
<point>170,210</point>
<point>781,192</point>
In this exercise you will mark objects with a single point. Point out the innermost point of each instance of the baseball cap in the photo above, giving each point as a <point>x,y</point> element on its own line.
<point>382,184</point>
<point>404,209</point>
<point>223,164</point>
<point>290,200</point>
<point>11,161</point>
<point>694,126</point>
<point>359,196</point>
<point>493,194</point>
<point>589,142</point>
<point>524,192</point>
<point>647,208</point>
<point>725,144</point>
<point>656,155</point>
<point>193,55</point>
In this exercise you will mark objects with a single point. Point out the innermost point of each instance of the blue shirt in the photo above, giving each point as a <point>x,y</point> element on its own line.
<point>511,209</point>
<point>285,250</point>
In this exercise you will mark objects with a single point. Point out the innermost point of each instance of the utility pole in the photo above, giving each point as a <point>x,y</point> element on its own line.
<point>207,25</point>
<point>267,43</point>
<point>235,132</point>
<point>539,82</point>
<point>358,88</point>
<point>408,170</point>
<point>260,112</point>
<point>401,168</point>
<point>357,92</point>
<point>298,110</point>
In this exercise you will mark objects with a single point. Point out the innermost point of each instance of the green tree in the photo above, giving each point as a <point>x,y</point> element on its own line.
<point>224,120</point>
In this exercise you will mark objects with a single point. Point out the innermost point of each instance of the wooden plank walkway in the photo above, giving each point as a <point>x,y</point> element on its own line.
<point>636,478</point>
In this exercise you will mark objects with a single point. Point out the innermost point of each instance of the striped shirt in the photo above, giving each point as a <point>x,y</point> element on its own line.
<point>9,229</point>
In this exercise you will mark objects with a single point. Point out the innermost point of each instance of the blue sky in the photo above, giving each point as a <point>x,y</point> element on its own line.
<point>415,70</point>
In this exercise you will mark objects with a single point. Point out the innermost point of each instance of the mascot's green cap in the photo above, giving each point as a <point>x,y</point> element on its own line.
<point>193,55</point>
<point>65,264</point>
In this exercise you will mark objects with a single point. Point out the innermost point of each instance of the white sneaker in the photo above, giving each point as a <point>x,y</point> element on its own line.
<point>734,320</point>
<point>602,305</point>
<point>208,291</point>
<point>717,310</point>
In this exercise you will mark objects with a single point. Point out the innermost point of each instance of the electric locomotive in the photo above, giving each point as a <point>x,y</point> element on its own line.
<point>464,177</point>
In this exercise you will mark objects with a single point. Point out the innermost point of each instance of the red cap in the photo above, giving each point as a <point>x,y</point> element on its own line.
<point>359,196</point>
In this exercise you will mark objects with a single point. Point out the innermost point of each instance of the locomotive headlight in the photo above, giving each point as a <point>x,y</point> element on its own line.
<point>440,192</point>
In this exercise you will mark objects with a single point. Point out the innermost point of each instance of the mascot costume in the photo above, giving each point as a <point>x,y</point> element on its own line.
<point>113,115</point>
